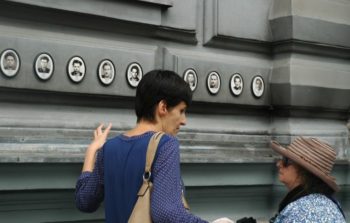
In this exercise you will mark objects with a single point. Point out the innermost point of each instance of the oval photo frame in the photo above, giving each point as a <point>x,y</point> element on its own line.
<point>213,82</point>
<point>44,66</point>
<point>106,72</point>
<point>190,76</point>
<point>258,86</point>
<point>236,84</point>
<point>10,63</point>
<point>76,69</point>
<point>134,74</point>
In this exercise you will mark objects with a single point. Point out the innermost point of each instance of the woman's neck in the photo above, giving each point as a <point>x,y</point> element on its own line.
<point>142,127</point>
<point>297,182</point>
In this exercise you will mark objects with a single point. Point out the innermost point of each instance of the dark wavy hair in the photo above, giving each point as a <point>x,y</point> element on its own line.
<point>158,85</point>
<point>313,184</point>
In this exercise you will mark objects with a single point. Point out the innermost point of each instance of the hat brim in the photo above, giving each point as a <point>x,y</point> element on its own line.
<point>329,180</point>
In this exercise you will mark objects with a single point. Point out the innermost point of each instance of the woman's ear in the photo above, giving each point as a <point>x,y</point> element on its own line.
<point>162,108</point>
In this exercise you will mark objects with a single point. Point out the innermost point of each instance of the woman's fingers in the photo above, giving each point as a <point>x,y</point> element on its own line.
<point>95,134</point>
<point>99,130</point>
<point>108,128</point>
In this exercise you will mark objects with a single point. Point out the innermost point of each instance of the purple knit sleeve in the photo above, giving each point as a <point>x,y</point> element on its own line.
<point>89,190</point>
<point>166,196</point>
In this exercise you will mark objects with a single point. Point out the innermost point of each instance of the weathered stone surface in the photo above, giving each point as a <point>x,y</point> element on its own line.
<point>300,48</point>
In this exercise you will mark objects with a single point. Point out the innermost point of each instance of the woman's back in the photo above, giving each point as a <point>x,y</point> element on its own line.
<point>124,165</point>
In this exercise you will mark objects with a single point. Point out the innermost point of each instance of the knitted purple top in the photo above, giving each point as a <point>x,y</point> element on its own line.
<point>117,177</point>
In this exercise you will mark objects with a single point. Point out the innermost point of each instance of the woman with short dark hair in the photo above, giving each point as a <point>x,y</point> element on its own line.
<point>116,176</point>
<point>305,169</point>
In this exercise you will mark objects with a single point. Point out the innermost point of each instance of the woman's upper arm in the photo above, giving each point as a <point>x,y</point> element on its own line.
<point>166,198</point>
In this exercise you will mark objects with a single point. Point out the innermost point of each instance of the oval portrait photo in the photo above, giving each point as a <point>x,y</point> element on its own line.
<point>213,82</point>
<point>106,72</point>
<point>258,86</point>
<point>43,66</point>
<point>134,74</point>
<point>76,69</point>
<point>236,84</point>
<point>190,76</point>
<point>9,62</point>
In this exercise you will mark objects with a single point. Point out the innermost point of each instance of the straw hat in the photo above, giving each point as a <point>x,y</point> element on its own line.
<point>312,154</point>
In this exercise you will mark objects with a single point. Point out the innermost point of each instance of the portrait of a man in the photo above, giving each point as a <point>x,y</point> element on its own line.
<point>190,76</point>
<point>213,82</point>
<point>258,86</point>
<point>106,72</point>
<point>10,63</point>
<point>236,84</point>
<point>134,74</point>
<point>76,69</point>
<point>44,66</point>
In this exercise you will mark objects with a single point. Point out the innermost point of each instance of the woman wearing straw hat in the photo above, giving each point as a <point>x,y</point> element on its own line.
<point>305,170</point>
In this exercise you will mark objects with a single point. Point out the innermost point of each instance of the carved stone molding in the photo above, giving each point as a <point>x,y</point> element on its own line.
<point>147,18</point>
<point>237,25</point>
<point>310,82</point>
<point>289,26</point>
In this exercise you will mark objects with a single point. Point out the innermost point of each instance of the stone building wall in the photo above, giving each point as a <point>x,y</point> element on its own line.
<point>300,49</point>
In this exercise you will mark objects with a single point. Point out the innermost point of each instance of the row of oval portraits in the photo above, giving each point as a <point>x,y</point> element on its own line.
<point>236,83</point>
<point>76,69</point>
<point>44,68</point>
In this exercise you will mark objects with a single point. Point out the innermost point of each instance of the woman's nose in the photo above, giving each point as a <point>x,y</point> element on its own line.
<point>183,121</point>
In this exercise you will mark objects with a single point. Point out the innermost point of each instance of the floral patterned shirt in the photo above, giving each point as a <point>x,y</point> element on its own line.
<point>313,208</point>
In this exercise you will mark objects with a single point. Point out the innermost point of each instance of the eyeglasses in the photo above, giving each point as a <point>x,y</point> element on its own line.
<point>286,161</point>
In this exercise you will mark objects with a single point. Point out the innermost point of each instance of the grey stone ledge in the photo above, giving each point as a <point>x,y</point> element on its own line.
<point>73,153</point>
<point>165,3</point>
<point>100,16</point>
